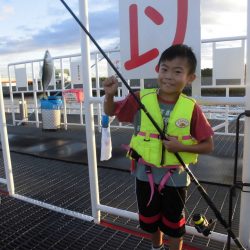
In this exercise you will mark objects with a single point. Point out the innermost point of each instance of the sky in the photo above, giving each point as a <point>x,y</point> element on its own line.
<point>30,27</point>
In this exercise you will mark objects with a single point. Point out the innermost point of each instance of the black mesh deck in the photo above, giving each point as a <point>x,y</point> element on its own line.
<point>51,167</point>
<point>25,226</point>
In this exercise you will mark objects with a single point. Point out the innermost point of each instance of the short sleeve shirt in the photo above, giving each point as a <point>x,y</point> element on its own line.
<point>127,110</point>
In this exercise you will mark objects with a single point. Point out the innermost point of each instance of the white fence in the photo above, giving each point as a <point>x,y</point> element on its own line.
<point>228,107</point>
<point>25,81</point>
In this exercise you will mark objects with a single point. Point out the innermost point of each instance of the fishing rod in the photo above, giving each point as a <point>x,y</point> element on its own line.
<point>162,134</point>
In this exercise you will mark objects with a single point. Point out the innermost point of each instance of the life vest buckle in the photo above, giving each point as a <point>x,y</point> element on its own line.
<point>147,136</point>
<point>148,169</point>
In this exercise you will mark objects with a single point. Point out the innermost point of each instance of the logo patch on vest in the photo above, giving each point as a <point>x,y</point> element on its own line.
<point>182,123</point>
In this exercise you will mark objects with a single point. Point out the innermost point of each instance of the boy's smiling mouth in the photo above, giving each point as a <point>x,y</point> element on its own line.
<point>167,84</point>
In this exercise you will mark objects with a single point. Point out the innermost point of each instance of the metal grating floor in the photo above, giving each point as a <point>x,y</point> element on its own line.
<point>25,226</point>
<point>66,184</point>
<point>31,227</point>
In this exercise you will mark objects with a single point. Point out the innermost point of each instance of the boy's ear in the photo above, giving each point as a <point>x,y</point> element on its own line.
<point>191,78</point>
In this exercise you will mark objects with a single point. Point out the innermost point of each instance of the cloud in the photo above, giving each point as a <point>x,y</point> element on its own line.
<point>95,6</point>
<point>5,11</point>
<point>8,9</point>
<point>223,18</point>
<point>223,6</point>
<point>57,35</point>
<point>54,28</point>
<point>65,33</point>
<point>104,24</point>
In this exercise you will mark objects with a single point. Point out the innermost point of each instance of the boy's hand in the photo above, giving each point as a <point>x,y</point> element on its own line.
<point>173,145</point>
<point>110,86</point>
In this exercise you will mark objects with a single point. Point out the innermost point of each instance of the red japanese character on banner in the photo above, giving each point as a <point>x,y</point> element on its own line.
<point>137,59</point>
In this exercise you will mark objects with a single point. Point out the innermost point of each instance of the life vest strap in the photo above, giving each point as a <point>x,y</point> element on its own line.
<point>157,136</point>
<point>148,168</point>
<point>165,178</point>
<point>163,182</point>
<point>135,156</point>
<point>133,165</point>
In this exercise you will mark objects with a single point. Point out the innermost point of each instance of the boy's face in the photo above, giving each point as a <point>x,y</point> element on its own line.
<point>174,75</point>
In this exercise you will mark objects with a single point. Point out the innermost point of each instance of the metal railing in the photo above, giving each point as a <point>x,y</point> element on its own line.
<point>61,82</point>
<point>209,106</point>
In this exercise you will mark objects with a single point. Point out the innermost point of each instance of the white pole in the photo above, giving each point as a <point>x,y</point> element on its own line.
<point>98,94</point>
<point>196,85</point>
<point>141,83</point>
<point>81,113</point>
<point>5,145</point>
<point>213,74</point>
<point>11,98</point>
<point>54,208</point>
<point>89,115</point>
<point>65,119</point>
<point>244,231</point>
<point>36,103</point>
<point>35,89</point>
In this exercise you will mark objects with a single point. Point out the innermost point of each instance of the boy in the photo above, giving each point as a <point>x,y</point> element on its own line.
<point>161,182</point>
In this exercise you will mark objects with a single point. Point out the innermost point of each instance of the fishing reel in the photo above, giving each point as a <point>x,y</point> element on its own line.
<point>202,225</point>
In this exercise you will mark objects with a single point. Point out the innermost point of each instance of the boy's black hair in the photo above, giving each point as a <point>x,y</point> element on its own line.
<point>180,50</point>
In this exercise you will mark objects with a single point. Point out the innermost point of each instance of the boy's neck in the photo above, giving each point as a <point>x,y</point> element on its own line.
<point>171,98</point>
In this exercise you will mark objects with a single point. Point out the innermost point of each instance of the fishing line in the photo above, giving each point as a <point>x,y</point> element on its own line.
<point>162,135</point>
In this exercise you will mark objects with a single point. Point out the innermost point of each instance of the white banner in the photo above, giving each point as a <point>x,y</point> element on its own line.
<point>149,27</point>
<point>21,77</point>
<point>76,72</point>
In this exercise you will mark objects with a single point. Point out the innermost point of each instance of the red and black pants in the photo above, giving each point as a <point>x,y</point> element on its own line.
<point>166,210</point>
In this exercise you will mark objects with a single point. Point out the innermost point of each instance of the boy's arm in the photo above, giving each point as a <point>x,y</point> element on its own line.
<point>203,147</point>
<point>110,86</point>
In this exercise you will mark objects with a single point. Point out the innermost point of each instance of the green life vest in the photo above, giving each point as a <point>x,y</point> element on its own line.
<point>147,143</point>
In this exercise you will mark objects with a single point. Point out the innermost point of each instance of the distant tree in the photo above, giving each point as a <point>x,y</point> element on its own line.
<point>207,72</point>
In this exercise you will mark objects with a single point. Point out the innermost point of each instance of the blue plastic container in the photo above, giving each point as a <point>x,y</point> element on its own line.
<point>52,103</point>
